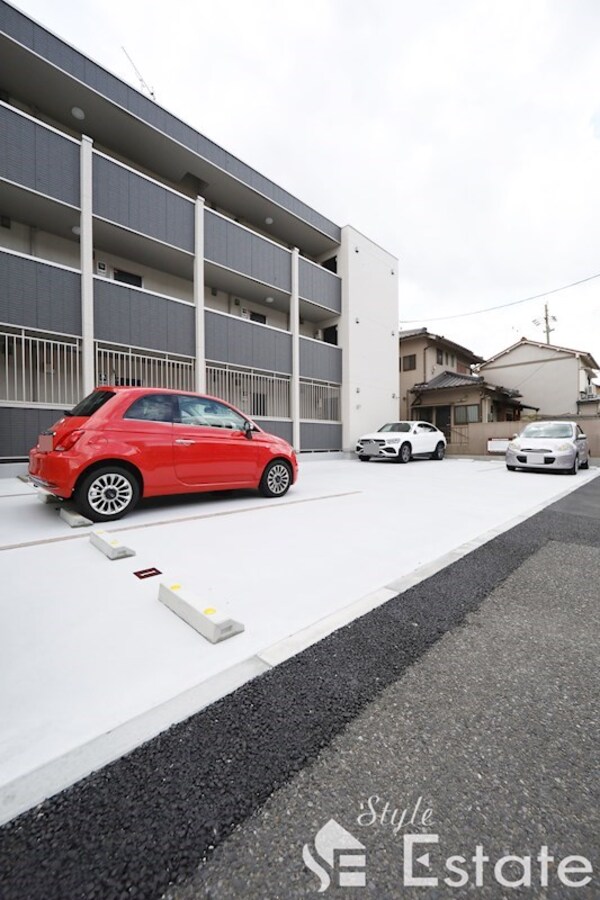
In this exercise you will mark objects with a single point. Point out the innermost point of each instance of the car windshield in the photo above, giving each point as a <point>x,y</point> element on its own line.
<point>395,426</point>
<point>91,404</point>
<point>548,430</point>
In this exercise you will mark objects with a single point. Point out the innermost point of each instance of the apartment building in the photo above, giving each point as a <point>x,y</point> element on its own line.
<point>133,250</point>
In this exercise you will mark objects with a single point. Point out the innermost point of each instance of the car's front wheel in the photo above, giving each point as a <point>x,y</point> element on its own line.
<point>405,453</point>
<point>575,467</point>
<point>276,479</point>
<point>364,458</point>
<point>511,468</point>
<point>439,451</point>
<point>107,494</point>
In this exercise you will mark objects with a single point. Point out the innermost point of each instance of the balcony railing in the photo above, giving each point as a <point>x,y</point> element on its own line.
<point>39,368</point>
<point>125,366</point>
<point>320,401</point>
<point>261,394</point>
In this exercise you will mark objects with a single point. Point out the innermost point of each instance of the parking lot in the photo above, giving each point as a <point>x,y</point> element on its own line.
<point>93,664</point>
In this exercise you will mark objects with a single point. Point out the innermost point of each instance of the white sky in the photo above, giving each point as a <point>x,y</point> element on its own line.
<point>461,135</point>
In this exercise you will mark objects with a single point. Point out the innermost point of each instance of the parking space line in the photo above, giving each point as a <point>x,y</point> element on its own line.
<point>177,521</point>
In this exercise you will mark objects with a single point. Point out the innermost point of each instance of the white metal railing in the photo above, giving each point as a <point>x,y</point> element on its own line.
<point>319,400</point>
<point>125,366</point>
<point>261,394</point>
<point>38,368</point>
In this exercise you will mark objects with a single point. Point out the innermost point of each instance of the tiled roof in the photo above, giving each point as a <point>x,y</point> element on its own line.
<point>449,380</point>
<point>457,380</point>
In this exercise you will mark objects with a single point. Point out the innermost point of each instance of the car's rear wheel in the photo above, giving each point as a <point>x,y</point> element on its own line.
<point>107,494</point>
<point>405,453</point>
<point>439,451</point>
<point>276,479</point>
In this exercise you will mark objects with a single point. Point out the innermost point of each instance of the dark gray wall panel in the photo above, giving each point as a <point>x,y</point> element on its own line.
<point>37,158</point>
<point>320,286</point>
<point>19,429</point>
<point>244,343</point>
<point>320,436</point>
<point>74,63</point>
<point>36,295</point>
<point>230,245</point>
<point>124,197</point>
<point>321,361</point>
<point>274,426</point>
<point>125,315</point>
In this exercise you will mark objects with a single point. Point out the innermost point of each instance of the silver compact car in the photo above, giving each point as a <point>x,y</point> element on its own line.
<point>549,445</point>
<point>401,442</point>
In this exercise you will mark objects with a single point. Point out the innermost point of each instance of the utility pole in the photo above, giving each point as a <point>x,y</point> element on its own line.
<point>546,322</point>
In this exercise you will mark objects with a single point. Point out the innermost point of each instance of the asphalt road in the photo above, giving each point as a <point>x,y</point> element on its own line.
<point>476,691</point>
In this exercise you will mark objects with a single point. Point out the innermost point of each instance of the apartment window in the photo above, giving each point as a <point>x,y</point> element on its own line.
<point>409,363</point>
<point>439,357</point>
<point>258,317</point>
<point>465,414</point>
<point>127,277</point>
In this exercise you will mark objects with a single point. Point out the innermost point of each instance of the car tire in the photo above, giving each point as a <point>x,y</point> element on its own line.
<point>511,468</point>
<point>405,453</point>
<point>276,479</point>
<point>364,458</point>
<point>575,467</point>
<point>585,465</point>
<point>106,494</point>
<point>439,451</point>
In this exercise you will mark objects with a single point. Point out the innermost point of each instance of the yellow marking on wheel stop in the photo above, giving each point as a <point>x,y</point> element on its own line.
<point>209,611</point>
<point>175,587</point>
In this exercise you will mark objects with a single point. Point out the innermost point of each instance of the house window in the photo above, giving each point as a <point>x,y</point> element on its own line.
<point>465,414</point>
<point>439,357</point>
<point>127,277</point>
<point>409,363</point>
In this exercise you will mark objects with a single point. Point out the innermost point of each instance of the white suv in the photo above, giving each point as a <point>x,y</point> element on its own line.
<point>401,441</point>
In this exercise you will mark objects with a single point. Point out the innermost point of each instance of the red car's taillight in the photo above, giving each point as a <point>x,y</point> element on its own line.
<point>69,440</point>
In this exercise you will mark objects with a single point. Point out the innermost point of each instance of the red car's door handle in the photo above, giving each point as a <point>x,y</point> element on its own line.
<point>185,441</point>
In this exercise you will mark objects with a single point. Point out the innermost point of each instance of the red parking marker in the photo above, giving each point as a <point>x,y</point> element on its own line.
<point>147,573</point>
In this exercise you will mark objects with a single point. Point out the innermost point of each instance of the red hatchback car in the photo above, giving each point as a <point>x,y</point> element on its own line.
<point>120,444</point>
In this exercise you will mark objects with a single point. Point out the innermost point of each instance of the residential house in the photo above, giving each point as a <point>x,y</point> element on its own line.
<point>134,250</point>
<point>557,380</point>
<point>437,385</point>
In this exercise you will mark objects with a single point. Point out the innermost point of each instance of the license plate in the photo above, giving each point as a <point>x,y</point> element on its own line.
<point>535,459</point>
<point>370,449</point>
<point>46,442</point>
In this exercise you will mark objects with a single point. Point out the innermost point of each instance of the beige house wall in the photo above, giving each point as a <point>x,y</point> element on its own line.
<point>548,379</point>
<point>415,376</point>
<point>471,440</point>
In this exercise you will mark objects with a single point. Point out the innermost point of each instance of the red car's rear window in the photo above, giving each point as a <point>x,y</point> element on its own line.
<point>91,404</point>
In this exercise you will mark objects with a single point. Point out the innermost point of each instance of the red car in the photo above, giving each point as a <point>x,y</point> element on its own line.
<point>120,444</point>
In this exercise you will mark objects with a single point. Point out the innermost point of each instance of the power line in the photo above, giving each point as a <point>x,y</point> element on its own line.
<point>478,312</point>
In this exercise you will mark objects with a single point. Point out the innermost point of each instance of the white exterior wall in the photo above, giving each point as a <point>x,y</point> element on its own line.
<point>368,335</point>
<point>547,378</point>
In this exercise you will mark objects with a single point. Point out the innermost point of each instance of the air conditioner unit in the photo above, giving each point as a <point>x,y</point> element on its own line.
<point>318,335</point>
<point>101,268</point>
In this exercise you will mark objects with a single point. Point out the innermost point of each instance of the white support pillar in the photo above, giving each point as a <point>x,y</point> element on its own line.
<point>199,295</point>
<point>295,329</point>
<point>86,255</point>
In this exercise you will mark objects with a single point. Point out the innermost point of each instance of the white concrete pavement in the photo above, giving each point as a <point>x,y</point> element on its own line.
<point>91,664</point>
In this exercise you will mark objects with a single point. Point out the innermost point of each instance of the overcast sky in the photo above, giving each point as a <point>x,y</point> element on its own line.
<point>461,135</point>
